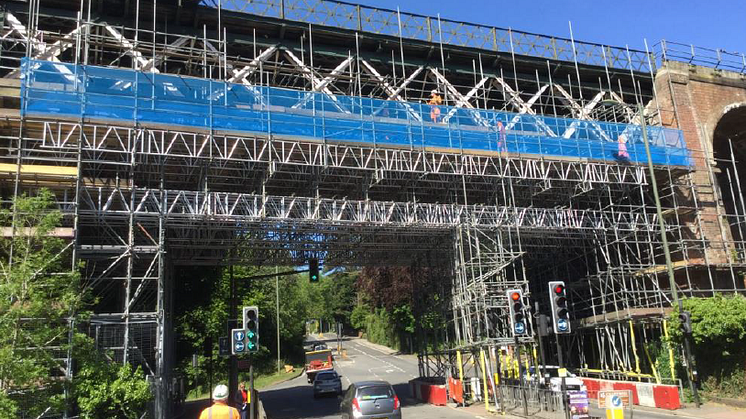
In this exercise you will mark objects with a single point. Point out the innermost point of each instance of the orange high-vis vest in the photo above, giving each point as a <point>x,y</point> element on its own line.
<point>220,410</point>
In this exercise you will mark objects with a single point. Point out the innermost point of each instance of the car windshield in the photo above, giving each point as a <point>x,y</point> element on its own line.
<point>375,392</point>
<point>326,376</point>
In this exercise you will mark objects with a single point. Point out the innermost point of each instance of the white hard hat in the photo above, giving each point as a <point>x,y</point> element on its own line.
<point>434,92</point>
<point>220,392</point>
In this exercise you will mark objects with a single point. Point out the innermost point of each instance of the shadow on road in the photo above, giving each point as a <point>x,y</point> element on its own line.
<point>298,402</point>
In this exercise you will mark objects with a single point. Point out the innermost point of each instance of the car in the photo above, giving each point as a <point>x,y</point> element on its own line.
<point>320,347</point>
<point>370,400</point>
<point>327,382</point>
<point>551,374</point>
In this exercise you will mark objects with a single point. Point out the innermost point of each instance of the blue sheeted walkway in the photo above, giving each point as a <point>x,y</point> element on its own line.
<point>51,89</point>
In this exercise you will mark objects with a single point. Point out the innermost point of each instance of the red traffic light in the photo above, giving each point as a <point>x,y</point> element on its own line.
<point>559,289</point>
<point>515,296</point>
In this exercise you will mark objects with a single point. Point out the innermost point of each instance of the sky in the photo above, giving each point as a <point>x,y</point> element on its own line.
<point>704,23</point>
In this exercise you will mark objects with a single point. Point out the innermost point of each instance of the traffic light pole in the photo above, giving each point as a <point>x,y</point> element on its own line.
<point>521,378</point>
<point>233,371</point>
<point>252,397</point>
<point>667,253</point>
<point>541,323</point>
<point>563,386</point>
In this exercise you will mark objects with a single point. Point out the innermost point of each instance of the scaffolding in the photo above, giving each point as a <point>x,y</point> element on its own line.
<point>179,132</point>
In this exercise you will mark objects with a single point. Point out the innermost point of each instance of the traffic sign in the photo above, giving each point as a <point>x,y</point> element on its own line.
<point>563,325</point>
<point>520,328</point>
<point>224,346</point>
<point>614,399</point>
<point>238,341</point>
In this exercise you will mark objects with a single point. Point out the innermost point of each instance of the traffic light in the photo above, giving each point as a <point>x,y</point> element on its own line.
<point>251,326</point>
<point>313,270</point>
<point>518,324</point>
<point>560,314</point>
<point>685,318</point>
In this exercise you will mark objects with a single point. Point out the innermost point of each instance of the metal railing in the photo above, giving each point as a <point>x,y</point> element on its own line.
<point>694,55</point>
<point>380,21</point>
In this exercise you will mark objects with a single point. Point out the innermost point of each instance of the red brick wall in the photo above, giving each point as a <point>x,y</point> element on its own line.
<point>700,97</point>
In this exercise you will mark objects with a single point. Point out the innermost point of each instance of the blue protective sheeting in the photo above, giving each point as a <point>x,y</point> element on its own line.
<point>51,88</point>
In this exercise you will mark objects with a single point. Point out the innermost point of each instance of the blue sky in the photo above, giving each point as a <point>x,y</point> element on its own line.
<point>711,23</point>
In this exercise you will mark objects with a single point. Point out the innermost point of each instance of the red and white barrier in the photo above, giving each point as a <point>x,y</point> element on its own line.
<point>643,394</point>
<point>428,392</point>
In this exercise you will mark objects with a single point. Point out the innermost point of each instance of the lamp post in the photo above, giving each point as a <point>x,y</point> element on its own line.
<point>667,253</point>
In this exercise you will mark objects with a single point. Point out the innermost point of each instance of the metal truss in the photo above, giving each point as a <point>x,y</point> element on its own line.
<point>116,144</point>
<point>248,208</point>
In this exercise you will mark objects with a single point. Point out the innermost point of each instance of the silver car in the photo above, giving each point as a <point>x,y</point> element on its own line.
<point>370,400</point>
<point>327,382</point>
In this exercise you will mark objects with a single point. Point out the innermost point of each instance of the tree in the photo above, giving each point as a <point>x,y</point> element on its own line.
<point>104,389</point>
<point>39,296</point>
<point>719,341</point>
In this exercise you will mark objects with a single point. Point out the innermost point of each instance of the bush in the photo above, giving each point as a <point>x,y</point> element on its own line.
<point>719,342</point>
<point>359,317</point>
<point>381,329</point>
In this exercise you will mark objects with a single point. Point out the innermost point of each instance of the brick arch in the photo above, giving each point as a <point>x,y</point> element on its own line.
<point>724,116</point>
<point>729,154</point>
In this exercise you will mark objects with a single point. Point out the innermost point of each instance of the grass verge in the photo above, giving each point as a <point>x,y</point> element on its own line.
<point>260,381</point>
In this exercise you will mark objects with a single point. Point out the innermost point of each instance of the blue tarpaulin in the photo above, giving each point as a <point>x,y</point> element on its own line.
<point>52,88</point>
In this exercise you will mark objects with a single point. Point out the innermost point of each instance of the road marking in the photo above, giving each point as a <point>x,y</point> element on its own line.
<point>379,359</point>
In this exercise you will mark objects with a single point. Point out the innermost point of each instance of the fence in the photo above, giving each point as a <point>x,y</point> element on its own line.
<point>53,89</point>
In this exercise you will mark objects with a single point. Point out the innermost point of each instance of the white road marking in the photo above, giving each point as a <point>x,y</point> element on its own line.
<point>378,358</point>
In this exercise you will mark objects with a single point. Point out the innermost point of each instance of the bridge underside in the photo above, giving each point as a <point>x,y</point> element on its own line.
<point>144,198</point>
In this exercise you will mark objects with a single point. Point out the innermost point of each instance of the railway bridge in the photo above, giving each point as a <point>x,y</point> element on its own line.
<point>182,133</point>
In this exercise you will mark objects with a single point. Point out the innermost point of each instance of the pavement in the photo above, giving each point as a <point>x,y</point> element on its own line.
<point>293,399</point>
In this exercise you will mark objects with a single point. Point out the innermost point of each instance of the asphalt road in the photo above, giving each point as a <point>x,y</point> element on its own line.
<point>294,399</point>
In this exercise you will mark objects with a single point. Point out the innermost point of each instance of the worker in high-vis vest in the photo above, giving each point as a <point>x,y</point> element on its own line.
<point>220,408</point>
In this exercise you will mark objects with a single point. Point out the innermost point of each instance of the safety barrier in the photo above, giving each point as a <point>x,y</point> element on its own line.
<point>643,394</point>
<point>428,391</point>
<point>53,89</point>
<point>456,390</point>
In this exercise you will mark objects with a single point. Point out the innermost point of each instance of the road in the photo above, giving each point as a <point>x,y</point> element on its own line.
<point>294,399</point>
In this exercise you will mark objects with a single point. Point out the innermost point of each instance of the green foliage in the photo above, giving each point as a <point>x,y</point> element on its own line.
<point>359,316</point>
<point>8,408</point>
<point>719,341</point>
<point>104,389</point>
<point>380,328</point>
<point>204,311</point>
<point>39,293</point>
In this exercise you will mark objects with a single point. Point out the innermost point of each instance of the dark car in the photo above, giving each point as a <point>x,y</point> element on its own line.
<point>370,400</point>
<point>327,382</point>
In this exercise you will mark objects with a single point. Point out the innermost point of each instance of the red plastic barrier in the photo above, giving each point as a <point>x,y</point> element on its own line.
<point>456,390</point>
<point>431,393</point>
<point>628,386</point>
<point>666,397</point>
<point>605,385</point>
<point>592,385</point>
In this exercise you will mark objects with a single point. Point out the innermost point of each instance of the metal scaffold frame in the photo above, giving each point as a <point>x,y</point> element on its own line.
<point>144,198</point>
